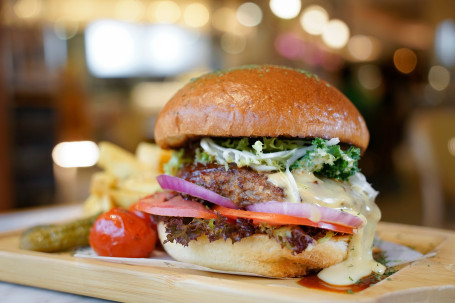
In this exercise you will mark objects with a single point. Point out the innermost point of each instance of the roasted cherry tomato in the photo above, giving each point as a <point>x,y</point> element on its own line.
<point>144,216</point>
<point>121,233</point>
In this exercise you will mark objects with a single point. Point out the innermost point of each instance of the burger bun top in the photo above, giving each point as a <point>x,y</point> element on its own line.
<point>259,101</point>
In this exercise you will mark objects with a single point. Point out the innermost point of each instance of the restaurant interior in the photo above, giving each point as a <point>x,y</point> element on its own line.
<point>77,72</point>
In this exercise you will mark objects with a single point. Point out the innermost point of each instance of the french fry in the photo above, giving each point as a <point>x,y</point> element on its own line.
<point>101,183</point>
<point>126,177</point>
<point>141,183</point>
<point>118,161</point>
<point>147,154</point>
<point>97,204</point>
<point>125,198</point>
<point>152,156</point>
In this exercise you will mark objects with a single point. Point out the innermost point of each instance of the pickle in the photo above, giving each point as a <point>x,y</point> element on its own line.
<point>57,237</point>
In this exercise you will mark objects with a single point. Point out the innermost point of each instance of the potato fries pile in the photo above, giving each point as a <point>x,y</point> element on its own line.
<point>126,177</point>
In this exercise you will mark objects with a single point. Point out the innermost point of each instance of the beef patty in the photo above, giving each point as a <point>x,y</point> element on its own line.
<point>242,185</point>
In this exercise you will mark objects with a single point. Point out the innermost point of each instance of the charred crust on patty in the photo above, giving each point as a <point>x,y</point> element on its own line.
<point>241,185</point>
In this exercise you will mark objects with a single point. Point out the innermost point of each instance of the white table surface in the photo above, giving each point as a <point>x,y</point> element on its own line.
<point>13,293</point>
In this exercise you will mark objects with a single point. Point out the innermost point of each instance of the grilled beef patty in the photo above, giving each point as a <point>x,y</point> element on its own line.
<point>242,185</point>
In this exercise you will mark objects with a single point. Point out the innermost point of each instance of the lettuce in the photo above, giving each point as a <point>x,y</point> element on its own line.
<point>175,162</point>
<point>239,144</point>
<point>203,157</point>
<point>262,155</point>
<point>184,230</point>
<point>322,157</point>
<point>266,145</point>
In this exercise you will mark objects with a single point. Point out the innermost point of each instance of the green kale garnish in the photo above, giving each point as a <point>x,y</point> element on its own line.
<point>329,160</point>
<point>322,158</point>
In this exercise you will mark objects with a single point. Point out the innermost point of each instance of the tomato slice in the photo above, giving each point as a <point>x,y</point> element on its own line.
<point>278,219</point>
<point>175,207</point>
<point>179,207</point>
<point>158,197</point>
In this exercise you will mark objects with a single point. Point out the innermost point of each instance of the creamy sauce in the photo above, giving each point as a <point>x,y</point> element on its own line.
<point>313,281</point>
<point>315,215</point>
<point>281,180</point>
<point>348,197</point>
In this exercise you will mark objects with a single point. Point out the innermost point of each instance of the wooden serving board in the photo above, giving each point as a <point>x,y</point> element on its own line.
<point>429,279</point>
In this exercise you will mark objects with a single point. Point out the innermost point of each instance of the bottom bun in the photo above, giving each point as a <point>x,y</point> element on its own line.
<point>257,254</point>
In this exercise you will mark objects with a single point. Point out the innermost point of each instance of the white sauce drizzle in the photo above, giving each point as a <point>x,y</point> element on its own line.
<point>355,196</point>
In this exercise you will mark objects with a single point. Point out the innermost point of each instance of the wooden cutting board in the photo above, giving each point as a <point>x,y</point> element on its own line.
<point>429,279</point>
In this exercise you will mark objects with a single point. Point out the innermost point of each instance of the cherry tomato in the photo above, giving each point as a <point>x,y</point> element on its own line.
<point>144,216</point>
<point>120,233</point>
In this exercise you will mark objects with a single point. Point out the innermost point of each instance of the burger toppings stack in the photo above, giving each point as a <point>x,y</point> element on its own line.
<point>263,179</point>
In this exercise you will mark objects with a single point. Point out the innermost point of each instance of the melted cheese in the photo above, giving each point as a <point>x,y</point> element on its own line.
<point>352,198</point>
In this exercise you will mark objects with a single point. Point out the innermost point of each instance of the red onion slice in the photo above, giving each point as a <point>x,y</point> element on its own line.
<point>185,187</point>
<point>305,210</point>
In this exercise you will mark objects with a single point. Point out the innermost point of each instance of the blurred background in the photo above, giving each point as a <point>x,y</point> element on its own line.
<point>76,72</point>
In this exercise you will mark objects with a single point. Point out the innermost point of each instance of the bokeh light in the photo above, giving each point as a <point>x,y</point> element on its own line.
<point>111,47</point>
<point>164,12</point>
<point>27,8</point>
<point>285,9</point>
<point>335,34</point>
<point>439,77</point>
<point>249,14</point>
<point>65,28</point>
<point>289,45</point>
<point>196,15</point>
<point>313,19</point>
<point>369,76</point>
<point>233,43</point>
<point>444,41</point>
<point>405,60</point>
<point>171,49</point>
<point>224,19</point>
<point>125,49</point>
<point>75,154</point>
<point>360,47</point>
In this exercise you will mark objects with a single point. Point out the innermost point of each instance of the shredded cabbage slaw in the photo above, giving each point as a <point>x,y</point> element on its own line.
<point>314,157</point>
<point>322,157</point>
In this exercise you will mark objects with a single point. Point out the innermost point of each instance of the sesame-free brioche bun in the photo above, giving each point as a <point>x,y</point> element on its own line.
<point>259,101</point>
<point>257,254</point>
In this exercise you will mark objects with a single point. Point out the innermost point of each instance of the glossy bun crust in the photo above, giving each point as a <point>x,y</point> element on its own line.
<point>257,254</point>
<point>259,101</point>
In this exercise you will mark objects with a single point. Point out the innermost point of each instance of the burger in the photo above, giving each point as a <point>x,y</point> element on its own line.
<point>264,177</point>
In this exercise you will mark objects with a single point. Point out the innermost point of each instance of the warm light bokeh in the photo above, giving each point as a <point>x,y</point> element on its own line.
<point>285,9</point>
<point>335,34</point>
<point>313,19</point>
<point>405,60</point>
<point>75,154</point>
